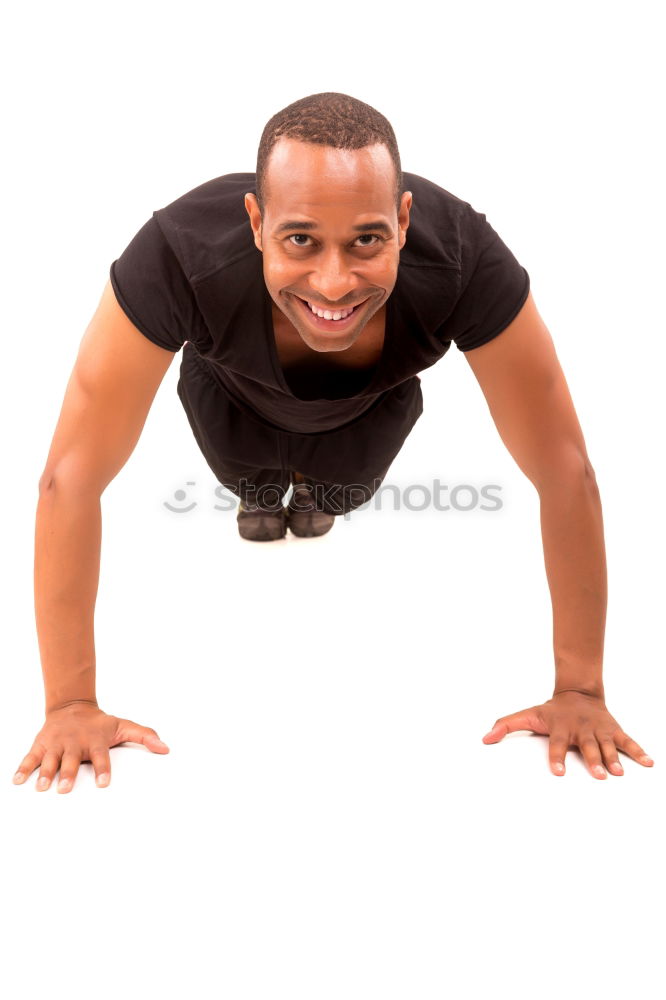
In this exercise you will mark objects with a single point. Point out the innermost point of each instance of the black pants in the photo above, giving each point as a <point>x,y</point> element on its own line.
<point>254,459</point>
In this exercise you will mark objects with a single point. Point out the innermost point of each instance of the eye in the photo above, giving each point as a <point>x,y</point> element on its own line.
<point>363,236</point>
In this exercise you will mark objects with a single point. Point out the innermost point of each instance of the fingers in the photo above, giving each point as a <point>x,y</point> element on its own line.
<point>560,743</point>
<point>74,736</point>
<point>50,764</point>
<point>101,762</point>
<point>69,763</point>
<point>130,732</point>
<point>597,752</point>
<point>71,760</point>
<point>632,749</point>
<point>27,766</point>
<point>609,753</point>
<point>557,751</point>
<point>588,726</point>
<point>589,748</point>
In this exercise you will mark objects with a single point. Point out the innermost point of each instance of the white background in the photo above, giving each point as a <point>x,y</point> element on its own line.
<point>328,822</point>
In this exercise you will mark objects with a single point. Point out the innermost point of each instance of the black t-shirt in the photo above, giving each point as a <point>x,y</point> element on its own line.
<point>193,274</point>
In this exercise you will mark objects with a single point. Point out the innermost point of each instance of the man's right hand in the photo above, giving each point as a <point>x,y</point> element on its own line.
<point>80,731</point>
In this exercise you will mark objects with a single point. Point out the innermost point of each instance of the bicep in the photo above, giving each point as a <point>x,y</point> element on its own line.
<point>107,399</point>
<point>528,397</point>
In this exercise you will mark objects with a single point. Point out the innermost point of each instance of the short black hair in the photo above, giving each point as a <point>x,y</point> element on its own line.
<point>327,119</point>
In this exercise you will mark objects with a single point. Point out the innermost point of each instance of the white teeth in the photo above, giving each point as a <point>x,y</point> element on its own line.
<point>327,314</point>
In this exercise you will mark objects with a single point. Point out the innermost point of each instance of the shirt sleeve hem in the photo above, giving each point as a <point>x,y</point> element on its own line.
<point>505,322</point>
<point>135,320</point>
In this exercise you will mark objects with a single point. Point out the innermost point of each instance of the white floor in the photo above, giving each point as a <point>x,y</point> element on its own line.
<point>328,822</point>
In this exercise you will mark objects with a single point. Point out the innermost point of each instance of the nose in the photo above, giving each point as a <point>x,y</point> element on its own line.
<point>332,279</point>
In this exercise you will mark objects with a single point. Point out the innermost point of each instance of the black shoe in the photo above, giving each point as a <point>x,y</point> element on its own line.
<point>258,525</point>
<point>303,518</point>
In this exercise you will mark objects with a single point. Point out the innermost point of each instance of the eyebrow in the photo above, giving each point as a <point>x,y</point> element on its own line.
<point>363,228</point>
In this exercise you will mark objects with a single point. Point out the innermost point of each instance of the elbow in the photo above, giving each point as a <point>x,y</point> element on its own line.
<point>589,472</point>
<point>45,481</point>
<point>70,482</point>
<point>571,469</point>
<point>591,480</point>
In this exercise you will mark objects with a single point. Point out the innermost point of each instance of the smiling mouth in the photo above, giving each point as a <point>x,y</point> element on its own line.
<point>329,325</point>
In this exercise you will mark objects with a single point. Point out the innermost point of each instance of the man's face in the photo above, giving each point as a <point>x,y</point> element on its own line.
<point>317,242</point>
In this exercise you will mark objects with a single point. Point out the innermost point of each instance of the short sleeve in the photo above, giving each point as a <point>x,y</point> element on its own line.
<point>153,291</point>
<point>494,287</point>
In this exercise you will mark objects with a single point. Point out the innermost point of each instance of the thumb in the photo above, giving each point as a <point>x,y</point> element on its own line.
<point>527,719</point>
<point>497,733</point>
<point>130,732</point>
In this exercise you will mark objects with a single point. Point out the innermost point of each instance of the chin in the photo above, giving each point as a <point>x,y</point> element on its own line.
<point>326,347</point>
<point>325,343</point>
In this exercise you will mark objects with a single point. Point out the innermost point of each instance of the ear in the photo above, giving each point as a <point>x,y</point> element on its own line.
<point>403,217</point>
<point>252,209</point>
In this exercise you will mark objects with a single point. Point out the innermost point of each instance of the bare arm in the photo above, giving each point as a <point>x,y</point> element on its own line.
<point>108,396</point>
<point>529,400</point>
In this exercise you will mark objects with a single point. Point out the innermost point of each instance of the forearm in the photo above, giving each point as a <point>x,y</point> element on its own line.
<point>575,559</point>
<point>68,531</point>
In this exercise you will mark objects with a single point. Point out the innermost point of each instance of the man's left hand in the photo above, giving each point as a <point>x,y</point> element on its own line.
<point>575,718</point>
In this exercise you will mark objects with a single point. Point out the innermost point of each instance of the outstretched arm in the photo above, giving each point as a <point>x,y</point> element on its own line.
<point>114,380</point>
<point>529,401</point>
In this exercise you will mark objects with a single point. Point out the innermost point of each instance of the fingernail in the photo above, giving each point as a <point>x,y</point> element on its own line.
<point>559,768</point>
<point>617,767</point>
<point>18,777</point>
<point>102,779</point>
<point>646,759</point>
<point>599,770</point>
<point>64,785</point>
<point>43,783</point>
